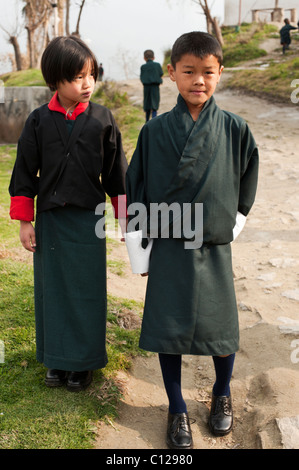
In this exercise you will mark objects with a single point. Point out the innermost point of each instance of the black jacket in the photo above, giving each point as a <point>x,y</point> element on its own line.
<point>75,169</point>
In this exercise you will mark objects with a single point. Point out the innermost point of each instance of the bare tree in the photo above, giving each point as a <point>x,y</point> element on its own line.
<point>76,32</point>
<point>12,37</point>
<point>212,22</point>
<point>13,40</point>
<point>36,13</point>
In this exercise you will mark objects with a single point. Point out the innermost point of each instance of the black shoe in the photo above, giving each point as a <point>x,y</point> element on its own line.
<point>179,434</point>
<point>78,380</point>
<point>55,378</point>
<point>221,415</point>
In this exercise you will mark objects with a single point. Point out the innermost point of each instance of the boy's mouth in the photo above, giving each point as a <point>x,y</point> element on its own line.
<point>197,92</point>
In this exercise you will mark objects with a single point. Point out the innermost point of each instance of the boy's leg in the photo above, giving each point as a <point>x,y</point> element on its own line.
<point>223,369</point>
<point>221,415</point>
<point>178,427</point>
<point>171,365</point>
<point>154,113</point>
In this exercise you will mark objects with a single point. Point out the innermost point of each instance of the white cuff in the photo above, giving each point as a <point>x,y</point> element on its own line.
<point>139,257</point>
<point>240,223</point>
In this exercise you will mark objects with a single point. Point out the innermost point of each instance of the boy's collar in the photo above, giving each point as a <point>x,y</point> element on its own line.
<point>54,105</point>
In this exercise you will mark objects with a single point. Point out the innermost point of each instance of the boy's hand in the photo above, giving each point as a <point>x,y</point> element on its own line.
<point>27,236</point>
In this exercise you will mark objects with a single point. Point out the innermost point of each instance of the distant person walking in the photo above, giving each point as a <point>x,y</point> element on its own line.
<point>101,72</point>
<point>285,37</point>
<point>150,76</point>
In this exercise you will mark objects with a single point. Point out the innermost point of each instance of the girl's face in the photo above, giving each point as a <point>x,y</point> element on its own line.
<point>79,90</point>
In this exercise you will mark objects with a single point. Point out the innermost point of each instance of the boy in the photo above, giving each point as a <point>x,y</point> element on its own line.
<point>196,153</point>
<point>150,76</point>
<point>285,37</point>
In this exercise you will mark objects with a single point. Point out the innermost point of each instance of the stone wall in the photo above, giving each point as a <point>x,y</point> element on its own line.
<point>15,105</point>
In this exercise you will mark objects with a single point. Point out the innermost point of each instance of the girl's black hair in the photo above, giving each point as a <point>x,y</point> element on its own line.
<point>64,58</point>
<point>196,43</point>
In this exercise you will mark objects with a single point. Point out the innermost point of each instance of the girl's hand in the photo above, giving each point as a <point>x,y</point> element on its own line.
<point>27,236</point>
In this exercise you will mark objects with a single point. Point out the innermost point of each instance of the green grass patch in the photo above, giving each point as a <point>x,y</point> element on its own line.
<point>29,77</point>
<point>273,82</point>
<point>244,44</point>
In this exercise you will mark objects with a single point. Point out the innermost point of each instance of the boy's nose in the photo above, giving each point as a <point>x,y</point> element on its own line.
<point>199,79</point>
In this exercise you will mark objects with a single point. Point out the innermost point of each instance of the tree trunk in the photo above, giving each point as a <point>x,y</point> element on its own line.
<point>30,47</point>
<point>67,18</point>
<point>61,6</point>
<point>79,18</point>
<point>18,56</point>
<point>217,31</point>
<point>212,23</point>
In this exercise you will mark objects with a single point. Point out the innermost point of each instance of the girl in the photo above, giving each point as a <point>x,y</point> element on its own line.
<point>69,155</point>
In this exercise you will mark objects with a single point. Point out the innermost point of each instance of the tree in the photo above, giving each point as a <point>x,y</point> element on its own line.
<point>12,37</point>
<point>37,14</point>
<point>76,32</point>
<point>13,40</point>
<point>212,23</point>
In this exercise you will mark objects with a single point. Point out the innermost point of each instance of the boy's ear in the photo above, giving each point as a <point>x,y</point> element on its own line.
<point>220,72</point>
<point>171,72</point>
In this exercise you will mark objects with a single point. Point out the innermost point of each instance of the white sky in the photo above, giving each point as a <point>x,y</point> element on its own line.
<point>118,31</point>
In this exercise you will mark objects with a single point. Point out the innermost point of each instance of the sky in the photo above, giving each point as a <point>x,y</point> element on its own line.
<point>118,31</point>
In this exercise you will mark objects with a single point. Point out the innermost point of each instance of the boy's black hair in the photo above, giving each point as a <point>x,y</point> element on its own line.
<point>64,58</point>
<point>196,43</point>
<point>148,54</point>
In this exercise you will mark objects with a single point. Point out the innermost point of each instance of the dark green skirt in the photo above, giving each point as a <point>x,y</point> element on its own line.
<point>70,290</point>
<point>190,305</point>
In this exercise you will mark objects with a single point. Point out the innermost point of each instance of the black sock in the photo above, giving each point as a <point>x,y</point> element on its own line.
<point>223,369</point>
<point>171,365</point>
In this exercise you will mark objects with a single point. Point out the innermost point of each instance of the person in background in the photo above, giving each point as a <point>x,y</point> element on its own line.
<point>285,36</point>
<point>101,72</point>
<point>151,77</point>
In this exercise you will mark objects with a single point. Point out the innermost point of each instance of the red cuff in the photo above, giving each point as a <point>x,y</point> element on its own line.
<point>119,204</point>
<point>22,208</point>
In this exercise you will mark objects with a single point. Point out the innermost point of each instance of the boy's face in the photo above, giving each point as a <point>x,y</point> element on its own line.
<point>79,90</point>
<point>196,80</point>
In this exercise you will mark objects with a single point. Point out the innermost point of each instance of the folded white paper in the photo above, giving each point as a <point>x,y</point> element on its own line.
<point>139,257</point>
<point>240,223</point>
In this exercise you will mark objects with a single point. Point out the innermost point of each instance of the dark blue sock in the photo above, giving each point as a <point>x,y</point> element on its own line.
<point>171,365</point>
<point>223,369</point>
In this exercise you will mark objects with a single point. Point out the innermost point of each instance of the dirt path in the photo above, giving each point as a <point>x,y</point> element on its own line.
<point>265,385</point>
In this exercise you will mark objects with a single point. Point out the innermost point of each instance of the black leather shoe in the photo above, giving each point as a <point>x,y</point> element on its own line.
<point>78,380</point>
<point>179,434</point>
<point>221,415</point>
<point>55,378</point>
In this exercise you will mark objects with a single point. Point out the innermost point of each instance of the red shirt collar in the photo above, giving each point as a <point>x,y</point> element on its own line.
<point>54,105</point>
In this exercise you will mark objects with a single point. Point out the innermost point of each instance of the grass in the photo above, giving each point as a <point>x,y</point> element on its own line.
<point>31,415</point>
<point>273,82</point>
<point>243,45</point>
<point>29,77</point>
